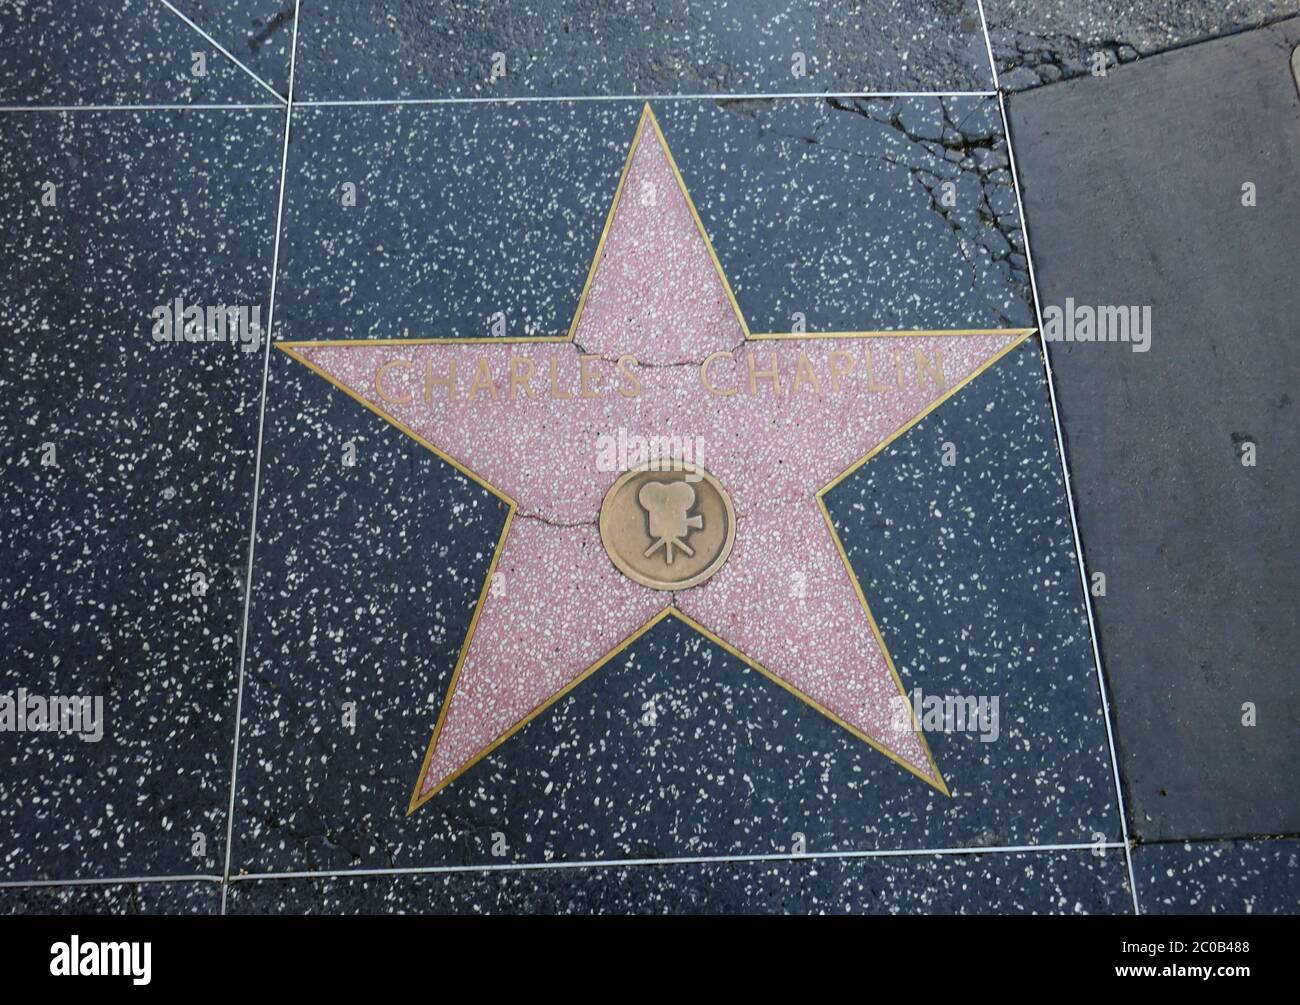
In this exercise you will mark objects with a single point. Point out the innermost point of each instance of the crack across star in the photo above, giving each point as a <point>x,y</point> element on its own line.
<point>658,343</point>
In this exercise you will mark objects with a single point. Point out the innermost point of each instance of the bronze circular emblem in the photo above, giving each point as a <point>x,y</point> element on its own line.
<point>667,529</point>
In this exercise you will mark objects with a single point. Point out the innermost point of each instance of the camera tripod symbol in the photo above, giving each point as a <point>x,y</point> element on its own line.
<point>667,504</point>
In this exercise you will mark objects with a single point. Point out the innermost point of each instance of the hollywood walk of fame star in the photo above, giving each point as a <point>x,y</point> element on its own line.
<point>658,345</point>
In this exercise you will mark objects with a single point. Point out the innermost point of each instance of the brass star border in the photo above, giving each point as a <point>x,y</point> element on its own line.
<point>648,120</point>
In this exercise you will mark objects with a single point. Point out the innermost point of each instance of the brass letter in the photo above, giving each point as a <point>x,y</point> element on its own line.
<point>449,381</point>
<point>771,374</point>
<point>482,381</point>
<point>872,386</point>
<point>521,376</point>
<point>704,376</point>
<point>804,374</point>
<point>635,390</point>
<point>557,392</point>
<point>587,379</point>
<point>934,368</point>
<point>838,372</point>
<point>379,388</point>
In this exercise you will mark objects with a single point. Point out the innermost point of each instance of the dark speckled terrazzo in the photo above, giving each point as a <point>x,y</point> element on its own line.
<point>88,52</point>
<point>398,544</point>
<point>833,210</point>
<point>445,48</point>
<point>152,478</point>
<point>183,897</point>
<point>423,219</point>
<point>256,32</point>
<point>838,209</point>
<point>1219,877</point>
<point>973,582</point>
<point>1036,883</point>
<point>397,547</point>
<point>367,578</point>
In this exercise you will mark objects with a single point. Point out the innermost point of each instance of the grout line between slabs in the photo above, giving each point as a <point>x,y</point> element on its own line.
<point>988,51</point>
<point>1217,839</point>
<point>288,103</point>
<point>226,52</point>
<point>508,867</point>
<point>139,108</point>
<point>524,100</point>
<point>257,462</point>
<point>20,884</point>
<point>1065,473</point>
<point>563,99</point>
<point>772,857</point>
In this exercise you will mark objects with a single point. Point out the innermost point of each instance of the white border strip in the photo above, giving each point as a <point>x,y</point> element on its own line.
<point>522,100</point>
<point>507,867</point>
<point>443,870</point>
<point>625,863</point>
<point>575,98</point>
<point>18,884</point>
<point>1065,474</point>
<point>137,108</point>
<point>257,463</point>
<point>988,49</point>
<point>231,56</point>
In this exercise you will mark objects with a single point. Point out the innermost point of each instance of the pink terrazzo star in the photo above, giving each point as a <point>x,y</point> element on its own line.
<point>525,418</point>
